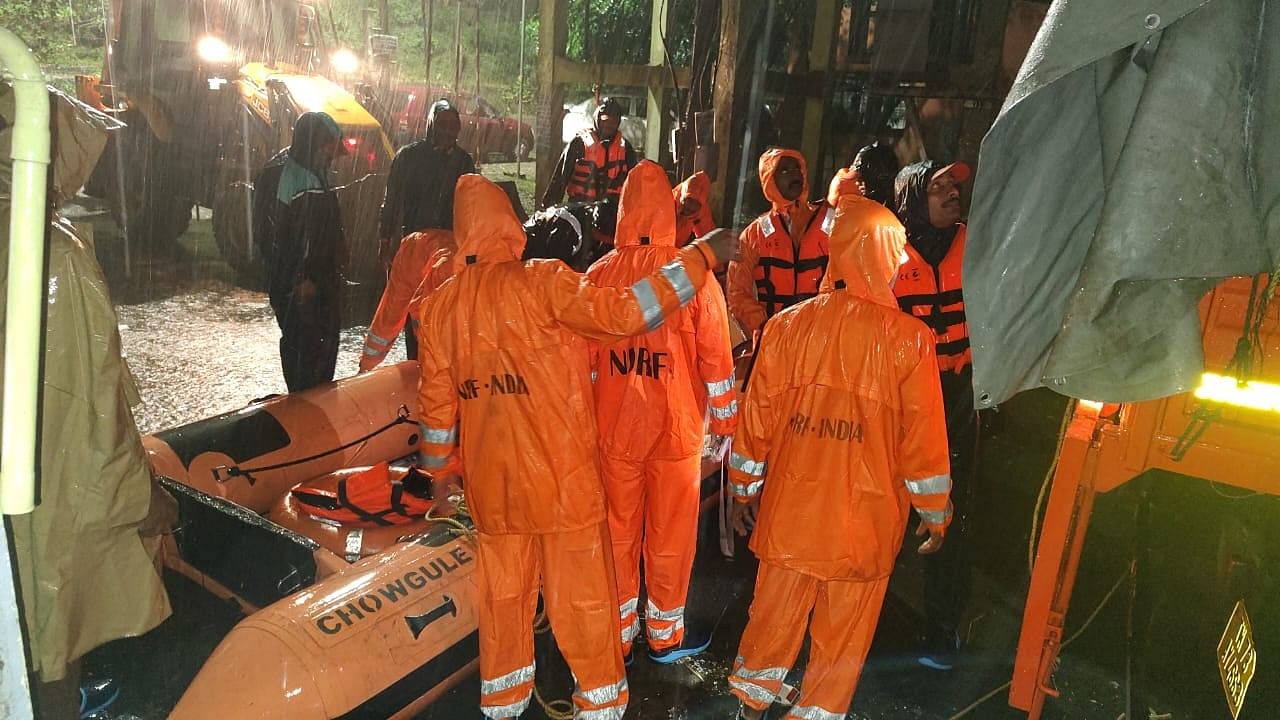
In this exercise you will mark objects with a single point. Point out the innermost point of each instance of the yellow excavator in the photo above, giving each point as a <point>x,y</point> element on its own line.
<point>209,91</point>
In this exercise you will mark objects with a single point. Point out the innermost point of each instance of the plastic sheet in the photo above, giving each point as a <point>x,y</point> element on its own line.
<point>1132,167</point>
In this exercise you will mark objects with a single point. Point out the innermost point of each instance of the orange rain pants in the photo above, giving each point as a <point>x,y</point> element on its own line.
<point>844,619</point>
<point>576,575</point>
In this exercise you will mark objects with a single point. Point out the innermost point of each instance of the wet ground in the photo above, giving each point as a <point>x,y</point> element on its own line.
<point>199,345</point>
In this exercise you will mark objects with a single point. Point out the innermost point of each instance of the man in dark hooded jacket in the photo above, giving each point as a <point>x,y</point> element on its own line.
<point>420,188</point>
<point>298,226</point>
<point>927,199</point>
<point>877,166</point>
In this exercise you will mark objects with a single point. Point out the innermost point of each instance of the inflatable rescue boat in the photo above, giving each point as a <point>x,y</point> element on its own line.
<point>358,620</point>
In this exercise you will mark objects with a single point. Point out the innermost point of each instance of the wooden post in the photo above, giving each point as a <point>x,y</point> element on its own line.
<point>553,33</point>
<point>428,19</point>
<point>821,59</point>
<point>655,116</point>
<point>524,11</point>
<point>723,192</point>
<point>457,54</point>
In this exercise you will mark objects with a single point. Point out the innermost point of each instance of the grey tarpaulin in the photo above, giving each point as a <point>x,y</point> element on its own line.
<point>1135,162</point>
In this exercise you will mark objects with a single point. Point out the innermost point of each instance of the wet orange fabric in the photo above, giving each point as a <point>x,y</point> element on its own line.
<point>843,425</point>
<point>936,296</point>
<point>652,394</point>
<point>505,398</point>
<point>845,182</point>
<point>697,187</point>
<point>415,263</point>
<point>784,251</point>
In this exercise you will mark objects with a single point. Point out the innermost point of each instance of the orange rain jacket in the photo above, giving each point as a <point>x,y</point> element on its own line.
<point>505,386</point>
<point>846,181</point>
<point>688,229</point>
<point>421,264</point>
<point>843,425</point>
<point>770,274</point>
<point>652,390</point>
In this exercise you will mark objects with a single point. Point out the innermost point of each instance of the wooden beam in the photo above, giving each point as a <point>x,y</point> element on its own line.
<point>826,25</point>
<point>723,190</point>
<point>570,72</point>
<point>659,26</point>
<point>553,33</point>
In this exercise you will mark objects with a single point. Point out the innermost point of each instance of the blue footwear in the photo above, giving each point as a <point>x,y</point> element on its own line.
<point>693,644</point>
<point>941,654</point>
<point>95,696</point>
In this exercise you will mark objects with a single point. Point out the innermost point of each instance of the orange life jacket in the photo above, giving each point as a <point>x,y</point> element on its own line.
<point>597,172</point>
<point>373,496</point>
<point>783,276</point>
<point>935,295</point>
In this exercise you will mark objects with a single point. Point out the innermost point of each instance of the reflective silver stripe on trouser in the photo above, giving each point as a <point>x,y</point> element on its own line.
<point>501,712</point>
<point>631,630</point>
<point>508,681</point>
<point>716,389</point>
<point>749,490</point>
<point>777,674</point>
<point>378,339</point>
<point>649,305</point>
<point>752,690</point>
<point>609,713</point>
<point>726,412</point>
<point>427,460</point>
<point>934,517</point>
<point>437,436</point>
<point>653,613</point>
<point>813,712</point>
<point>604,695</point>
<point>675,274</point>
<point>628,610</point>
<point>744,464</point>
<point>930,485</point>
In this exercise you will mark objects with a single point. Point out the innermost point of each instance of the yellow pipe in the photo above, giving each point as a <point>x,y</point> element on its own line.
<point>24,312</point>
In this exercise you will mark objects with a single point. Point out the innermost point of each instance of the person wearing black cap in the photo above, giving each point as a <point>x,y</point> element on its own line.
<point>420,188</point>
<point>302,239</point>
<point>929,286</point>
<point>595,163</point>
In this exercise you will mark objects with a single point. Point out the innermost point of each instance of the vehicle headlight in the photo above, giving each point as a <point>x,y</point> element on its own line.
<point>344,61</point>
<point>212,49</point>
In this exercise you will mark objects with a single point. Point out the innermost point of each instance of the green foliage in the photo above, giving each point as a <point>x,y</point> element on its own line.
<point>47,28</point>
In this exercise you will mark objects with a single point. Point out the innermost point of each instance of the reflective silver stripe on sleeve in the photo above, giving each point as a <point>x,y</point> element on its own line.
<point>748,490</point>
<point>653,613</point>
<point>432,461</point>
<point>935,517</point>
<point>813,712</point>
<point>675,274</point>
<point>604,695</point>
<point>508,681</point>
<point>378,339</point>
<point>649,305</point>
<point>726,412</point>
<point>828,221</point>
<point>766,224</point>
<point>436,436</point>
<point>716,389</point>
<point>744,464</point>
<point>501,712</point>
<point>930,485</point>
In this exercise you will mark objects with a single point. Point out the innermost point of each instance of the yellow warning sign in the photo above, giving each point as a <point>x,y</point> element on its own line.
<point>1237,658</point>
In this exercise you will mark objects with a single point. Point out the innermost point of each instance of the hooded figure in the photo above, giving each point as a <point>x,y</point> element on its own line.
<point>693,208</point>
<point>595,163</point>
<point>841,434</point>
<point>420,187</point>
<point>930,287</point>
<point>505,398</point>
<point>422,263</point>
<point>784,251</point>
<point>877,166</point>
<point>300,222</point>
<point>846,181</point>
<point>652,392</point>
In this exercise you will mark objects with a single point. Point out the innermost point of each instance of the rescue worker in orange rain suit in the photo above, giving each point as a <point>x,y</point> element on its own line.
<point>652,392</point>
<point>784,251</point>
<point>841,433</point>
<point>423,260</point>
<point>505,396</point>
<point>693,208</point>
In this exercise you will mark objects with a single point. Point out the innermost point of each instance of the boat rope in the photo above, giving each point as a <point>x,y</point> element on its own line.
<point>402,418</point>
<point>554,709</point>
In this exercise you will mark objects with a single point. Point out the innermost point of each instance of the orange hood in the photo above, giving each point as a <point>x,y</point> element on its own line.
<point>697,186</point>
<point>847,181</point>
<point>867,245</point>
<point>769,165</point>
<point>484,224</point>
<point>645,210</point>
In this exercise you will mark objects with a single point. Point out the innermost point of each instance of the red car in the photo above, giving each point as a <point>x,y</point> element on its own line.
<point>486,133</point>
